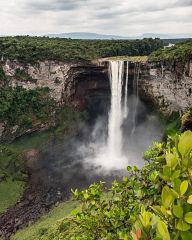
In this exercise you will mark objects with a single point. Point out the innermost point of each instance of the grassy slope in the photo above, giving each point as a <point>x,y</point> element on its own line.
<point>13,175</point>
<point>10,192</point>
<point>47,221</point>
<point>32,141</point>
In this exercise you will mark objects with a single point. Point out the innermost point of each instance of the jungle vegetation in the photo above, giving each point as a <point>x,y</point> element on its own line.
<point>181,51</point>
<point>31,49</point>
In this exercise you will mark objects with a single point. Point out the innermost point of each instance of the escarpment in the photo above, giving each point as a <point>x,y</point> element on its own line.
<point>68,84</point>
<point>168,84</point>
<point>80,84</point>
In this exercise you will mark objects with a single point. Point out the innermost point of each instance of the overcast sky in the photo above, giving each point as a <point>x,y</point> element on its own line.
<point>122,17</point>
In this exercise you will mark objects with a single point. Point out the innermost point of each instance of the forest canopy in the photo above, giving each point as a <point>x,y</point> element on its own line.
<point>31,49</point>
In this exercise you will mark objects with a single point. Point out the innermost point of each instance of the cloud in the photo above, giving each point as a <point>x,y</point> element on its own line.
<point>123,17</point>
<point>184,3</point>
<point>54,5</point>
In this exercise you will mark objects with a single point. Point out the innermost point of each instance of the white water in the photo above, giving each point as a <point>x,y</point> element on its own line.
<point>125,139</point>
<point>126,92</point>
<point>109,154</point>
<point>136,93</point>
<point>116,116</point>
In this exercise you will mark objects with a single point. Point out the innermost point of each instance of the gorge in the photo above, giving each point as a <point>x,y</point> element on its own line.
<point>120,95</point>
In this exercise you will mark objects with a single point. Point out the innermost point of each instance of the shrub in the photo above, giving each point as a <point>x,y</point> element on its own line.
<point>2,75</point>
<point>21,75</point>
<point>11,164</point>
<point>172,218</point>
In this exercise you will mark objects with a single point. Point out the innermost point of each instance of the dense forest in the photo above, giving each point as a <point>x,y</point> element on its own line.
<point>19,106</point>
<point>182,51</point>
<point>31,49</point>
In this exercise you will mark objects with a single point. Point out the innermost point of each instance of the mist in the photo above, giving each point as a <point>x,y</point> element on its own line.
<point>116,138</point>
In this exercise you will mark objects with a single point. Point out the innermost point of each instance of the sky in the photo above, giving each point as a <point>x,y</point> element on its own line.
<point>119,17</point>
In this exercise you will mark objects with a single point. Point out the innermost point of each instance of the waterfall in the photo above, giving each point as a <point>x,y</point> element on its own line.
<point>119,140</point>
<point>126,91</point>
<point>136,93</point>
<point>117,113</point>
<point>108,153</point>
<point>116,71</point>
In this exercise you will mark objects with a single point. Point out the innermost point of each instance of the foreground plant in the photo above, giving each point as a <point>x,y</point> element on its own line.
<point>172,218</point>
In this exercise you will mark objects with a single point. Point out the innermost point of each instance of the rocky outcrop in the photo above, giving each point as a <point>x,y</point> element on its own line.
<point>71,84</point>
<point>168,84</point>
<point>68,82</point>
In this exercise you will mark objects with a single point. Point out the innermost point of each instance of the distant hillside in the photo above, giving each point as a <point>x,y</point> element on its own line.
<point>84,35</point>
<point>92,36</point>
<point>167,36</point>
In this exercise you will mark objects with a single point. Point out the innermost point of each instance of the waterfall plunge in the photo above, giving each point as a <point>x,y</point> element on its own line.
<point>110,156</point>
<point>117,111</point>
<point>120,142</point>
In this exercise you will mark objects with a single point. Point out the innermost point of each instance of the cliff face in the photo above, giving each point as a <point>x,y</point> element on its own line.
<point>168,84</point>
<point>70,84</point>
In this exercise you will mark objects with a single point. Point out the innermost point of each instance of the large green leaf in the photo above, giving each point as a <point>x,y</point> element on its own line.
<point>178,211</point>
<point>167,197</point>
<point>172,160</point>
<point>185,143</point>
<point>163,231</point>
<point>186,235</point>
<point>189,200</point>
<point>182,226</point>
<point>183,187</point>
<point>188,217</point>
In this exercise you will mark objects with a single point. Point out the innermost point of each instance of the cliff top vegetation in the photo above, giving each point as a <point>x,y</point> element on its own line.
<point>182,51</point>
<point>31,49</point>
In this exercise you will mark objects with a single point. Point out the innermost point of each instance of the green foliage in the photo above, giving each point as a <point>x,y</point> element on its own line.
<point>12,176</point>
<point>112,216</point>
<point>10,193</point>
<point>2,75</point>
<point>187,116</point>
<point>134,59</point>
<point>174,213</point>
<point>11,164</point>
<point>22,107</point>
<point>171,124</point>
<point>66,118</point>
<point>181,51</point>
<point>31,49</point>
<point>186,120</point>
<point>21,75</point>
